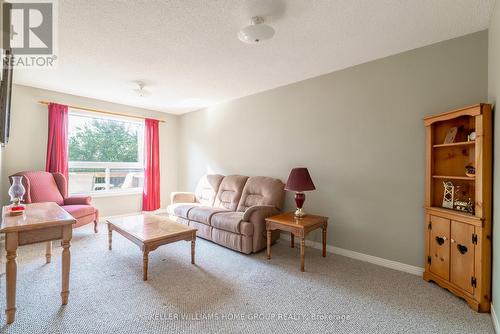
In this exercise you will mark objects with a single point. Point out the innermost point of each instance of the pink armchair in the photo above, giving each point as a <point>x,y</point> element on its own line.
<point>51,187</point>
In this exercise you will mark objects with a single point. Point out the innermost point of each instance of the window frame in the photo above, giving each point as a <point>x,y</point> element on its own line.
<point>112,164</point>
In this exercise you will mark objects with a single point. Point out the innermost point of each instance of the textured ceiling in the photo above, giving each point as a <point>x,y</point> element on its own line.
<point>189,55</point>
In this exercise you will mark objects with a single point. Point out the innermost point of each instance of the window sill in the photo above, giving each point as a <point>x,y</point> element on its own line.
<point>111,193</point>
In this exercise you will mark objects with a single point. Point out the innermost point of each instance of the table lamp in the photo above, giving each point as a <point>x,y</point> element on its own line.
<point>299,181</point>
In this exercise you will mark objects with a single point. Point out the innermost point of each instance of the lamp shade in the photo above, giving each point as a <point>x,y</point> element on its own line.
<point>299,180</point>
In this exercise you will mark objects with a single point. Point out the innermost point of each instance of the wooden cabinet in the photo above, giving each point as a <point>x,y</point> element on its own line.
<point>439,248</point>
<point>462,250</point>
<point>458,237</point>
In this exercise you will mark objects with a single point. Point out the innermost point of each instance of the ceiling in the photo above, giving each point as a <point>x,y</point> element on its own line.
<point>188,54</point>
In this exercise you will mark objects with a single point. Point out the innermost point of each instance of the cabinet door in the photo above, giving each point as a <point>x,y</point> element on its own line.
<point>462,255</point>
<point>439,247</point>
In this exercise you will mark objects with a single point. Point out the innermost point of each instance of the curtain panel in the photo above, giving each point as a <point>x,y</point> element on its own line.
<point>151,192</point>
<point>57,141</point>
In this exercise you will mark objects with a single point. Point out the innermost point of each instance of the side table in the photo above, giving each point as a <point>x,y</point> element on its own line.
<point>297,228</point>
<point>40,222</point>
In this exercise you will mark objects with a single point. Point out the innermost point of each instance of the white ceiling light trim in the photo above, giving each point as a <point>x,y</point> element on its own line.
<point>256,32</point>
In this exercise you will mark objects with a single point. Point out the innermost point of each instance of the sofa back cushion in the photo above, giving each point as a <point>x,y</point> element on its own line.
<point>229,193</point>
<point>261,190</point>
<point>207,189</point>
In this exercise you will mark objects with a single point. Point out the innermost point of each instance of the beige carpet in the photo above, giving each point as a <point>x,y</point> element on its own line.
<point>226,292</point>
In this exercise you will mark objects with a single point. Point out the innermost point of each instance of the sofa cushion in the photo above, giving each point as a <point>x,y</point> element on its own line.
<point>261,190</point>
<point>203,231</point>
<point>181,209</point>
<point>202,214</point>
<point>228,221</point>
<point>78,211</point>
<point>230,191</point>
<point>207,188</point>
<point>177,219</point>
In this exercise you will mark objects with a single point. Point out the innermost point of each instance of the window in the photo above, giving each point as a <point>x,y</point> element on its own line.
<point>105,154</point>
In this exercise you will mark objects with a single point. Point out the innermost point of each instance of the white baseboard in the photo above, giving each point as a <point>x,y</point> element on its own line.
<point>494,319</point>
<point>364,257</point>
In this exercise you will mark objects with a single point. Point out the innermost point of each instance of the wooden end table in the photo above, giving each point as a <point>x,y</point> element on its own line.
<point>297,227</point>
<point>40,222</point>
<point>150,232</point>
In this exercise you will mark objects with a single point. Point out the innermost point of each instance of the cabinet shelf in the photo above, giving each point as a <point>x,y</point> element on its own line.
<point>450,213</point>
<point>463,178</point>
<point>462,143</point>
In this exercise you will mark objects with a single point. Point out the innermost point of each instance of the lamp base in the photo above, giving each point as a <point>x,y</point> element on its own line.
<point>300,198</point>
<point>299,213</point>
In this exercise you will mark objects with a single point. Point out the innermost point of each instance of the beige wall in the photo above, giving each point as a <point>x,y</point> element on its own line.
<point>360,133</point>
<point>494,96</point>
<point>28,143</point>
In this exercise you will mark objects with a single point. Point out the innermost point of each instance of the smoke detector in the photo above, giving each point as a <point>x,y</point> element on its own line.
<point>140,91</point>
<point>256,32</point>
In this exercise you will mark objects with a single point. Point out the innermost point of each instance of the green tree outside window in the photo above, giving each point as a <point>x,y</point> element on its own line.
<point>104,141</point>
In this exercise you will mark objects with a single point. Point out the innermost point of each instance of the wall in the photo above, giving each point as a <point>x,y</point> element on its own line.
<point>28,143</point>
<point>493,97</point>
<point>360,133</point>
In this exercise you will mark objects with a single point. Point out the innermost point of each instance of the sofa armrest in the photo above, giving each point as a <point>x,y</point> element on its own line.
<point>78,200</point>
<point>258,213</point>
<point>182,197</point>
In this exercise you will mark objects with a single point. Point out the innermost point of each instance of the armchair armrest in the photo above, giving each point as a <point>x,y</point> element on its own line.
<point>182,197</point>
<point>259,212</point>
<point>78,200</point>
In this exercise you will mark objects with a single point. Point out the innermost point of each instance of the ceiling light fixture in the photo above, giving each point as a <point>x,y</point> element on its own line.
<point>256,32</point>
<point>141,91</point>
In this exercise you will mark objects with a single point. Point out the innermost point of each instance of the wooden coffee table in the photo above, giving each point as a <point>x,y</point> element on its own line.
<point>297,227</point>
<point>150,232</point>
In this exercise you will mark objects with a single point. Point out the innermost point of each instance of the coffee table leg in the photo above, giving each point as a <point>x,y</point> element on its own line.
<point>302,253</point>
<point>11,276</point>
<point>145,265</point>
<point>66,262</point>
<point>110,237</point>
<point>48,251</point>
<point>193,245</point>
<point>269,244</point>
<point>292,240</point>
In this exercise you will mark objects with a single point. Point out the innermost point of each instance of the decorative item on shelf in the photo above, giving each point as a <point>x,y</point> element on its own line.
<point>471,136</point>
<point>299,181</point>
<point>451,135</point>
<point>449,194</point>
<point>16,193</point>
<point>464,206</point>
<point>470,171</point>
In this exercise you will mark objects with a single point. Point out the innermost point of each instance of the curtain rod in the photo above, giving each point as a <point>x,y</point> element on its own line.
<point>101,111</point>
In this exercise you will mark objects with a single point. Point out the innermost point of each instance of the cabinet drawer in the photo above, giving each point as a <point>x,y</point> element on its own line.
<point>462,255</point>
<point>439,247</point>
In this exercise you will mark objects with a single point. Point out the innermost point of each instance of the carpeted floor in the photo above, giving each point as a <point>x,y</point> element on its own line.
<point>225,292</point>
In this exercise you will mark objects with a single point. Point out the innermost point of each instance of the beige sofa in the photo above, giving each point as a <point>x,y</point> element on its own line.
<point>230,210</point>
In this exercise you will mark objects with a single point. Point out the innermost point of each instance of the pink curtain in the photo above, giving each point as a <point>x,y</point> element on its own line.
<point>57,143</point>
<point>151,193</point>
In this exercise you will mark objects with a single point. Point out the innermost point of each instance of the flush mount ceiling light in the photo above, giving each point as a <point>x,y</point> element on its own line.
<point>256,32</point>
<point>141,92</point>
